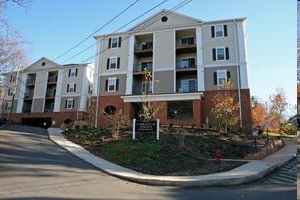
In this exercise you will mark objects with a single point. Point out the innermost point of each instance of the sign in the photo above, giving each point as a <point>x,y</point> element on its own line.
<point>146,127</point>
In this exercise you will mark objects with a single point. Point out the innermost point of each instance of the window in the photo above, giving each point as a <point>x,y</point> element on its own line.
<point>110,110</point>
<point>113,63</point>
<point>187,41</point>
<point>180,109</point>
<point>114,42</point>
<point>73,72</point>
<point>147,65</point>
<point>220,76</point>
<point>219,31</point>
<point>69,103</point>
<point>71,87</point>
<point>220,53</point>
<point>112,84</point>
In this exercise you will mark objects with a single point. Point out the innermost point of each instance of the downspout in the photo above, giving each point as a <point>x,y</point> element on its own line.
<point>238,71</point>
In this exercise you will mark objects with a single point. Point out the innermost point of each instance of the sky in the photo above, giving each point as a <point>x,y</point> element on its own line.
<point>53,27</point>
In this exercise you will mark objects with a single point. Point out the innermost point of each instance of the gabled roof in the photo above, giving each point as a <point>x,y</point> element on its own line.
<point>42,63</point>
<point>174,20</point>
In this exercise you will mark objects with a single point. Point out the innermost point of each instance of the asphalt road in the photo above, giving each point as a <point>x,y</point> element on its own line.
<point>32,167</point>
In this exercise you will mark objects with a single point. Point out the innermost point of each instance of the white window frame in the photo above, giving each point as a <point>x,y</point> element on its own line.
<point>110,62</point>
<point>114,42</point>
<point>112,82</point>
<point>72,72</point>
<point>221,75</point>
<point>217,53</point>
<point>70,103</point>
<point>219,29</point>
<point>71,87</point>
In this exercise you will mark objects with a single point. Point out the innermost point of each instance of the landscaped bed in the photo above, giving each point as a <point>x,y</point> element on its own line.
<point>174,154</point>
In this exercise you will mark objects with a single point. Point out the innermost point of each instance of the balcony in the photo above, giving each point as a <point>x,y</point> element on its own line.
<point>186,45</point>
<point>30,82</point>
<point>187,86</point>
<point>186,65</point>
<point>52,80</point>
<point>144,49</point>
<point>142,88</point>
<point>139,68</point>
<point>28,96</point>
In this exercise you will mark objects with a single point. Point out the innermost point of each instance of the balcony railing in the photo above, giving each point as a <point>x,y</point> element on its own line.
<point>142,88</point>
<point>187,87</point>
<point>28,95</point>
<point>52,79</point>
<point>30,81</point>
<point>141,67</point>
<point>144,49</point>
<point>186,64</point>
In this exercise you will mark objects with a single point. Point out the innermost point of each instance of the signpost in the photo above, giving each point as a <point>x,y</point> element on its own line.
<point>141,126</point>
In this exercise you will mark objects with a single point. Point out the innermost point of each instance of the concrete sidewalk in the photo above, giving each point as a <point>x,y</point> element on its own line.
<point>248,172</point>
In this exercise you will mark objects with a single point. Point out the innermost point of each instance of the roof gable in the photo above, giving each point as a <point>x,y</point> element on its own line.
<point>165,19</point>
<point>41,64</point>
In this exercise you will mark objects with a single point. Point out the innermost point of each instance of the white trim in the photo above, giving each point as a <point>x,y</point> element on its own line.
<point>153,63</point>
<point>113,73</point>
<point>164,97</point>
<point>21,93</point>
<point>129,75</point>
<point>114,81</point>
<point>116,66</point>
<point>200,67</point>
<point>59,84</point>
<point>220,65</point>
<point>174,68</point>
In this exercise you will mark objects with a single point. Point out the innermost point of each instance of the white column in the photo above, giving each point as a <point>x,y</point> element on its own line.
<point>129,78</point>
<point>200,67</point>
<point>242,56</point>
<point>21,93</point>
<point>58,93</point>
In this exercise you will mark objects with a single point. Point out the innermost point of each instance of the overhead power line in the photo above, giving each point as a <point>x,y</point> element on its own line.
<point>92,34</point>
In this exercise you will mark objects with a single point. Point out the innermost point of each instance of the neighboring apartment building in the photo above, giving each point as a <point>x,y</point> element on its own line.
<point>47,92</point>
<point>188,59</point>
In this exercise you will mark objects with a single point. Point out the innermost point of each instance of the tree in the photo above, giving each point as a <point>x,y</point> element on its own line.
<point>259,113</point>
<point>12,53</point>
<point>225,109</point>
<point>277,109</point>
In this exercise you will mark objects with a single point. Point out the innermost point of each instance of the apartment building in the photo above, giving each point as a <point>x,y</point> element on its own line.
<point>188,59</point>
<point>46,93</point>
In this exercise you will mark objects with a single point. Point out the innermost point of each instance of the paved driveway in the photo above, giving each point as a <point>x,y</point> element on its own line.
<point>32,167</point>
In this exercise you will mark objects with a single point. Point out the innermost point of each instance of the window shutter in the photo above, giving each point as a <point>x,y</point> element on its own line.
<point>212,31</point>
<point>107,64</point>
<point>73,103</point>
<point>227,53</point>
<point>117,84</point>
<point>69,72</point>
<point>225,30</point>
<point>215,78</point>
<point>106,85</point>
<point>68,88</point>
<point>76,72</point>
<point>228,75</point>
<point>109,43</point>
<point>66,105</point>
<point>214,53</point>
<point>75,87</point>
<point>118,63</point>
<point>120,41</point>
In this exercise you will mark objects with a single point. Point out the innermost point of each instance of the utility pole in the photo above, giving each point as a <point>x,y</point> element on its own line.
<point>13,96</point>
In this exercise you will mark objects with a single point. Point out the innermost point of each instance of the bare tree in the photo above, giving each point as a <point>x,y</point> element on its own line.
<point>12,52</point>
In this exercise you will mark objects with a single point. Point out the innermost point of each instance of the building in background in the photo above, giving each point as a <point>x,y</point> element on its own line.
<point>188,59</point>
<point>47,94</point>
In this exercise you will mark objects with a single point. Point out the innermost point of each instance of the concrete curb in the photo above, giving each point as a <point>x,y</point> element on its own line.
<point>251,171</point>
